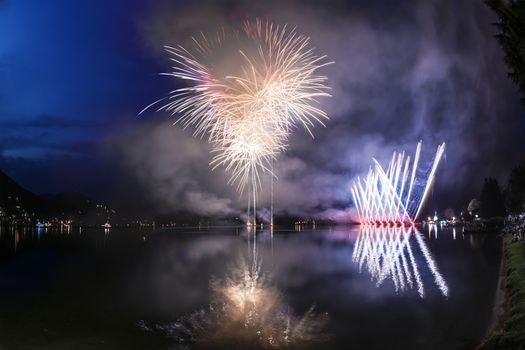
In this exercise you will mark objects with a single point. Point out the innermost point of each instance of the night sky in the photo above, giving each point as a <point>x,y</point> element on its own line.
<point>74,76</point>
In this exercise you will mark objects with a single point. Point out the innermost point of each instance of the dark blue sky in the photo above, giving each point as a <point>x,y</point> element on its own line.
<point>71,72</point>
<point>75,74</point>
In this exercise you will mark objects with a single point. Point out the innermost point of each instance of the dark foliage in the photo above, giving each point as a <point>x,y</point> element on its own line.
<point>511,37</point>
<point>515,193</point>
<point>491,203</point>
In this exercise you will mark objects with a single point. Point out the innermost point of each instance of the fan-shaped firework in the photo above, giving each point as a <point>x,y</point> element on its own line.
<point>392,196</point>
<point>248,90</point>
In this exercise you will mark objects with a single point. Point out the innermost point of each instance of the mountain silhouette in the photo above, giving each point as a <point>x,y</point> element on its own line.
<point>17,202</point>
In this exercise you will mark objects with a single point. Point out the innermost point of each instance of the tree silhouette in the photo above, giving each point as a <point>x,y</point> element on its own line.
<point>511,37</point>
<point>515,193</point>
<point>491,203</point>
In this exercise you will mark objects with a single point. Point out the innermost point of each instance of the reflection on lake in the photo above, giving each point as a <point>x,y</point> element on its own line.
<point>387,253</point>
<point>246,311</point>
<point>143,289</point>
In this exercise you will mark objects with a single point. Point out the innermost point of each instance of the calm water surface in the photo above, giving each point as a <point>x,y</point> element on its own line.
<point>370,288</point>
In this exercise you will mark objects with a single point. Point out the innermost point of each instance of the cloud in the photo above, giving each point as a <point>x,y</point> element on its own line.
<point>47,121</point>
<point>46,136</point>
<point>173,168</point>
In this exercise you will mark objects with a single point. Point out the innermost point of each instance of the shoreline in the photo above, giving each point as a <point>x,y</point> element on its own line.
<point>500,308</point>
<point>509,328</point>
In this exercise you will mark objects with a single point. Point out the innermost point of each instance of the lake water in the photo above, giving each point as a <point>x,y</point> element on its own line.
<point>323,288</point>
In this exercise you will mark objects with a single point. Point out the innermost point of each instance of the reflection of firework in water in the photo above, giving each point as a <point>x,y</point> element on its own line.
<point>249,89</point>
<point>248,312</point>
<point>397,194</point>
<point>386,252</point>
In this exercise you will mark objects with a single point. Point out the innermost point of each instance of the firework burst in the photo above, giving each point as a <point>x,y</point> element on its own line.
<point>247,91</point>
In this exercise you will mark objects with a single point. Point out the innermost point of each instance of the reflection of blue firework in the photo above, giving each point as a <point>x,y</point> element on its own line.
<point>398,193</point>
<point>387,253</point>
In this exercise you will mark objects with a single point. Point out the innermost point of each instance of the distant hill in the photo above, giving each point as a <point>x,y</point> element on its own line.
<point>21,205</point>
<point>11,191</point>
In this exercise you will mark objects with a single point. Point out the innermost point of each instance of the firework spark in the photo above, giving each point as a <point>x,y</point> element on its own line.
<point>248,90</point>
<point>391,196</point>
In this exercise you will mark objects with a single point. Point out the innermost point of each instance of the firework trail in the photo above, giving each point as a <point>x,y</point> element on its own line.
<point>247,91</point>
